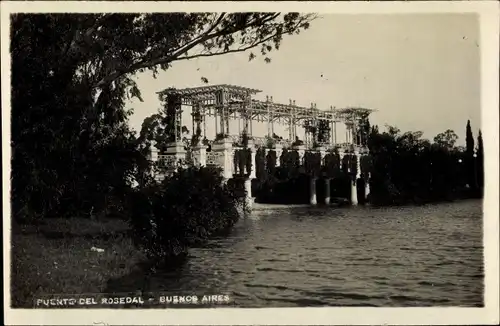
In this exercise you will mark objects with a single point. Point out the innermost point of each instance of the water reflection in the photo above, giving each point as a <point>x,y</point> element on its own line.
<point>313,256</point>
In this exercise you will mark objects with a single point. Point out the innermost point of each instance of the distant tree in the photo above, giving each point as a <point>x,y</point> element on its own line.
<point>469,140</point>
<point>480,160</point>
<point>446,139</point>
<point>469,156</point>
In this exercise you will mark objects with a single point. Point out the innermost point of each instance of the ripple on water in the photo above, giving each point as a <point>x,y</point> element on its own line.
<point>298,256</point>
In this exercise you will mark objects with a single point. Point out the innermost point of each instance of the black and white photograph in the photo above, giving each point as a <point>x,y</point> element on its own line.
<point>192,159</point>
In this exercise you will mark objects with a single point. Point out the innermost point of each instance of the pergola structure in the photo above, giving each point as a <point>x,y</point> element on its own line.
<point>229,102</point>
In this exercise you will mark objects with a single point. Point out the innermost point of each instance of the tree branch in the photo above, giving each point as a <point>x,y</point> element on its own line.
<point>242,49</point>
<point>205,36</point>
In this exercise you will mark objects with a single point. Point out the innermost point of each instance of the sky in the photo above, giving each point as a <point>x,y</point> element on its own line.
<point>420,72</point>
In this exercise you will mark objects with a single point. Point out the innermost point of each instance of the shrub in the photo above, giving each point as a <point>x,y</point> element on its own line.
<point>187,208</point>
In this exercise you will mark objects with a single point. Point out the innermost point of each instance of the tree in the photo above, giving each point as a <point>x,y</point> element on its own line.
<point>480,161</point>
<point>185,209</point>
<point>73,73</point>
<point>446,139</point>
<point>469,140</point>
<point>469,156</point>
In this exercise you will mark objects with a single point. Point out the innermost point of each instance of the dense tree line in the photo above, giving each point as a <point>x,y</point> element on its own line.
<point>409,169</point>
<point>401,168</point>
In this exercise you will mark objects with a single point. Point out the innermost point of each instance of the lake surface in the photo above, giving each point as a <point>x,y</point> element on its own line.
<point>360,256</point>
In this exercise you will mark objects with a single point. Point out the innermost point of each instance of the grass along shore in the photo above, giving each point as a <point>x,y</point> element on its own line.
<point>55,257</point>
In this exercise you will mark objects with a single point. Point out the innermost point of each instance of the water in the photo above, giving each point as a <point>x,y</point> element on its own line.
<point>304,256</point>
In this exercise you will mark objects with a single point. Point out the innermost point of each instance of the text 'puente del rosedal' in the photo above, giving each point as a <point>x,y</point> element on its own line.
<point>320,154</point>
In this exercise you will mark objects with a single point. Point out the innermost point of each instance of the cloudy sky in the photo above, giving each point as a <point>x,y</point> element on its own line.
<point>419,71</point>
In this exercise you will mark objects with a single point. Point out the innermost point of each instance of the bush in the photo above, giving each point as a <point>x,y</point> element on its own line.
<point>187,208</point>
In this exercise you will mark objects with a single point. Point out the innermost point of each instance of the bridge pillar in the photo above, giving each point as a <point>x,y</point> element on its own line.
<point>327,191</point>
<point>354,184</point>
<point>248,194</point>
<point>354,192</point>
<point>312,191</point>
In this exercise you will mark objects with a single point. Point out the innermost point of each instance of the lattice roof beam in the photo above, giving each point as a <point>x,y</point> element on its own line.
<point>210,90</point>
<point>353,113</point>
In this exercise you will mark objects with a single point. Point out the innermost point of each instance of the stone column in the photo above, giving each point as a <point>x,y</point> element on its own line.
<point>312,191</point>
<point>278,148</point>
<point>327,191</point>
<point>175,154</point>
<point>153,151</point>
<point>354,192</point>
<point>221,150</point>
<point>200,155</point>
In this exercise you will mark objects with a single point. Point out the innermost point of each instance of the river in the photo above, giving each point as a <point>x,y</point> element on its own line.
<point>282,256</point>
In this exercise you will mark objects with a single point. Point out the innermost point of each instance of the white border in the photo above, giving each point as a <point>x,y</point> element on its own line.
<point>489,27</point>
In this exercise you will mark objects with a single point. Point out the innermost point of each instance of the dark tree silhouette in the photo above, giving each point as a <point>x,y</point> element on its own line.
<point>480,161</point>
<point>469,156</point>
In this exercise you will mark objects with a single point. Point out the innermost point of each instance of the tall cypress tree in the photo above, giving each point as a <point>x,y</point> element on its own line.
<point>480,161</point>
<point>469,156</point>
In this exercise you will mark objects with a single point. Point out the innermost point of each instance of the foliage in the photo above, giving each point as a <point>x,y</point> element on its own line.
<point>73,73</point>
<point>260,164</point>
<point>345,164</point>
<point>366,166</point>
<point>332,165</point>
<point>271,159</point>
<point>324,131</point>
<point>270,142</point>
<point>363,130</point>
<point>185,209</point>
<point>297,142</point>
<point>469,157</point>
<point>469,140</point>
<point>312,164</point>
<point>310,128</point>
<point>409,169</point>
<point>350,165</point>
<point>242,162</point>
<point>446,139</point>
<point>276,137</point>
<point>290,164</point>
<point>480,161</point>
<point>220,136</point>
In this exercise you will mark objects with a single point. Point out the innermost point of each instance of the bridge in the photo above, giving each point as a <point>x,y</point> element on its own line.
<point>230,102</point>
